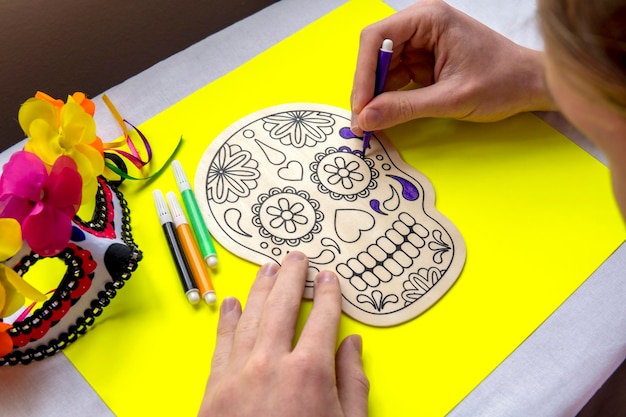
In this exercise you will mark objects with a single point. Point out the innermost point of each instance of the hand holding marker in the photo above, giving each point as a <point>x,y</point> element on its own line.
<point>382,68</point>
<point>190,248</point>
<point>199,227</point>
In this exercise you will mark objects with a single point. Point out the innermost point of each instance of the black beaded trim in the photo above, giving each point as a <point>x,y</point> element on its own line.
<point>55,302</point>
<point>98,221</point>
<point>127,236</point>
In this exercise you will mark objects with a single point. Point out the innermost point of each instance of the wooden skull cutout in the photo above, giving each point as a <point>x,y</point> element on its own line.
<point>295,177</point>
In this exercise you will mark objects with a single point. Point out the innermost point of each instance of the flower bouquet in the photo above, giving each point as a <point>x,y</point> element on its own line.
<point>56,203</point>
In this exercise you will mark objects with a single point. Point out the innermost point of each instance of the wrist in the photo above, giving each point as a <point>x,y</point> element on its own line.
<point>537,93</point>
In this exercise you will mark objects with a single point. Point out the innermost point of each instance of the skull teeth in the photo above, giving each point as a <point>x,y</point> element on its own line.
<point>389,257</point>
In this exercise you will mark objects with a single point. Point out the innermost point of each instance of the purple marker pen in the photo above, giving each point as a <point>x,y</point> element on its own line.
<point>384,59</point>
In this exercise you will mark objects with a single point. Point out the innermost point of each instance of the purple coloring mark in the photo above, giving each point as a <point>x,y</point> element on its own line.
<point>409,190</point>
<point>357,152</point>
<point>375,205</point>
<point>347,133</point>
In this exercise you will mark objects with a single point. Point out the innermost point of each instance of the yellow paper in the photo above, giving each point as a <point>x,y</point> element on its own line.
<point>535,210</point>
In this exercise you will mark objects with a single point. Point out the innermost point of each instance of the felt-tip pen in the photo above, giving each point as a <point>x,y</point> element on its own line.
<point>191,251</point>
<point>382,68</point>
<point>195,217</point>
<point>175,249</point>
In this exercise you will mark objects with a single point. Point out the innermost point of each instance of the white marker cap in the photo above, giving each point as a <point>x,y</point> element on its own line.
<point>175,209</point>
<point>211,260</point>
<point>193,296</point>
<point>210,298</point>
<point>161,207</point>
<point>181,178</point>
<point>387,45</point>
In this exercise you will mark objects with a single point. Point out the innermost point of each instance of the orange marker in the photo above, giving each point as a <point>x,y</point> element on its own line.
<point>190,249</point>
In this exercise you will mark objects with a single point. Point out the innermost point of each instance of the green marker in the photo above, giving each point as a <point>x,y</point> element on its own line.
<point>195,217</point>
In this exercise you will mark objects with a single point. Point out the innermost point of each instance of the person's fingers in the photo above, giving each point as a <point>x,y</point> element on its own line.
<point>365,71</point>
<point>419,68</point>
<point>248,327</point>
<point>230,312</point>
<point>320,330</point>
<point>443,99</point>
<point>364,75</point>
<point>419,32</point>
<point>416,27</point>
<point>352,383</point>
<point>280,313</point>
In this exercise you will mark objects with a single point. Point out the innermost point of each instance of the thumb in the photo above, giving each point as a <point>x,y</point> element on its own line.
<point>395,107</point>
<point>352,384</point>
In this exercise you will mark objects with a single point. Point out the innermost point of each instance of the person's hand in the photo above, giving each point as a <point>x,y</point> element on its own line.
<point>257,370</point>
<point>466,70</point>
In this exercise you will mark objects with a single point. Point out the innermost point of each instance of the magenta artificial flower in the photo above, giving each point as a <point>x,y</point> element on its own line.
<point>43,203</point>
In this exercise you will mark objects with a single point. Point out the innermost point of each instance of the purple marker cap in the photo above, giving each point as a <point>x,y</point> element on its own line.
<point>382,68</point>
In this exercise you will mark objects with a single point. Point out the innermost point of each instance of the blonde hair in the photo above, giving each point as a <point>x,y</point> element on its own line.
<point>588,39</point>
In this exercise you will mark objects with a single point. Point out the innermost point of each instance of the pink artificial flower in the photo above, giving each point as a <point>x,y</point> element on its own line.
<point>43,203</point>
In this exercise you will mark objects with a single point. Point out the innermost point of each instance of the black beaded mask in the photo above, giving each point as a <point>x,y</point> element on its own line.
<point>99,258</point>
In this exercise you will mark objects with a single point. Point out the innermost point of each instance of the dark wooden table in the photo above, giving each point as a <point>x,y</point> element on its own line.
<point>65,46</point>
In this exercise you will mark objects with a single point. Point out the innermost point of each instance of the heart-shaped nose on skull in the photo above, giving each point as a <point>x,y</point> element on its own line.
<point>295,177</point>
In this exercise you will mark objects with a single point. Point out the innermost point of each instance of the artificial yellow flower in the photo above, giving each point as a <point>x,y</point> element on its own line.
<point>13,288</point>
<point>54,130</point>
